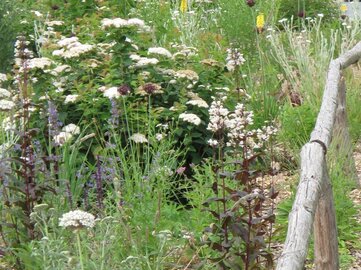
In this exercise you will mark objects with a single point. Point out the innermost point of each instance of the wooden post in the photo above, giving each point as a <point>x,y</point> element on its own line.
<point>341,135</point>
<point>303,211</point>
<point>325,229</point>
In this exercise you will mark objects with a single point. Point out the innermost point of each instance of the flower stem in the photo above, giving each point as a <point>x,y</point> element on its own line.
<point>79,249</point>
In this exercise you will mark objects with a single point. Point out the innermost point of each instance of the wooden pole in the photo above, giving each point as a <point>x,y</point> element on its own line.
<point>325,229</point>
<point>303,211</point>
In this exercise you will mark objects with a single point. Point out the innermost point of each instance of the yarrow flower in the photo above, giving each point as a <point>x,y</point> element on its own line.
<point>234,59</point>
<point>198,102</point>
<point>71,47</point>
<point>62,138</point>
<point>72,129</point>
<point>187,74</point>
<point>40,63</point>
<point>4,93</point>
<point>77,219</point>
<point>160,51</point>
<point>71,98</point>
<point>3,77</point>
<point>6,105</point>
<point>190,118</point>
<point>138,138</point>
<point>112,93</point>
<point>122,23</point>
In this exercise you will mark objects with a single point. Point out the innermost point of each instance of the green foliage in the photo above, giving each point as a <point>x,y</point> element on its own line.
<point>11,15</point>
<point>297,123</point>
<point>301,9</point>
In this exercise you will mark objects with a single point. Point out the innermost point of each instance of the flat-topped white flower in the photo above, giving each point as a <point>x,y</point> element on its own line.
<point>67,41</point>
<point>6,105</point>
<point>40,63</point>
<point>71,99</point>
<point>4,93</point>
<point>54,23</point>
<point>72,129</point>
<point>3,77</point>
<point>62,138</point>
<point>111,93</point>
<point>198,102</point>
<point>190,118</point>
<point>144,61</point>
<point>77,219</point>
<point>187,74</point>
<point>62,68</point>
<point>119,23</point>
<point>159,51</point>
<point>138,138</point>
<point>136,22</point>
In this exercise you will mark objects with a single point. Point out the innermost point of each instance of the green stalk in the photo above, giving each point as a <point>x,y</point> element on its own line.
<point>79,249</point>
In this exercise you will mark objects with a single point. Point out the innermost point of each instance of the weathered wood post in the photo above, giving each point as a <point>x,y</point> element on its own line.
<point>325,229</point>
<point>314,190</point>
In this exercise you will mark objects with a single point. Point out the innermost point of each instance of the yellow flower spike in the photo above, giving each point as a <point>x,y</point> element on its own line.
<point>260,22</point>
<point>343,8</point>
<point>183,5</point>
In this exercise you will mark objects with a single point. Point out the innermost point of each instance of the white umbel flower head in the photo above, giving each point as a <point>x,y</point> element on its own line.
<point>138,138</point>
<point>198,102</point>
<point>62,138</point>
<point>6,105</point>
<point>4,93</point>
<point>111,93</point>
<point>70,99</point>
<point>160,51</point>
<point>72,129</point>
<point>77,219</point>
<point>3,77</point>
<point>190,118</point>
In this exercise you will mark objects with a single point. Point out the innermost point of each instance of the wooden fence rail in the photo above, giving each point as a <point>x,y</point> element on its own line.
<point>313,207</point>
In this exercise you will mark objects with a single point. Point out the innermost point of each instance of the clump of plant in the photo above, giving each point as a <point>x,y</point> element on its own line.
<point>302,9</point>
<point>241,223</point>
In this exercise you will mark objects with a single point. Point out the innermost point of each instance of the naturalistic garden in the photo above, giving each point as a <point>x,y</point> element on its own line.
<point>180,134</point>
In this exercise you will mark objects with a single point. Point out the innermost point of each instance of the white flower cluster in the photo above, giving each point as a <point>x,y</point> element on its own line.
<point>187,74</point>
<point>60,69</point>
<point>237,123</point>
<point>143,61</point>
<point>138,138</point>
<point>190,118</point>
<point>22,54</point>
<point>237,127</point>
<point>217,116</point>
<point>5,105</point>
<point>66,134</point>
<point>77,219</point>
<point>234,59</point>
<point>198,102</point>
<point>71,98</point>
<point>40,63</point>
<point>8,124</point>
<point>71,47</point>
<point>54,23</point>
<point>122,23</point>
<point>111,93</point>
<point>3,77</point>
<point>4,93</point>
<point>159,51</point>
